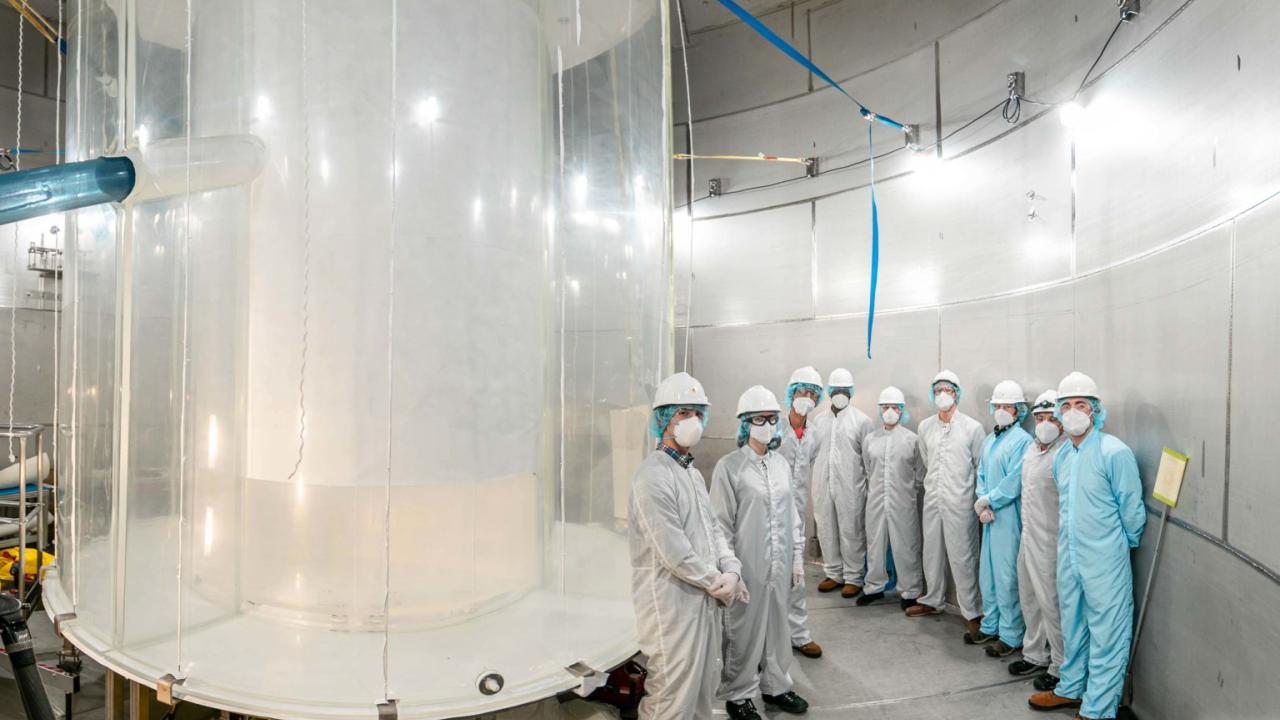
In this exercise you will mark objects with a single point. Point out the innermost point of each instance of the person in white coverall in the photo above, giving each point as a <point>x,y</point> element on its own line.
<point>951,445</point>
<point>752,498</point>
<point>840,488</point>
<point>682,568</point>
<point>1038,559</point>
<point>894,473</point>
<point>800,448</point>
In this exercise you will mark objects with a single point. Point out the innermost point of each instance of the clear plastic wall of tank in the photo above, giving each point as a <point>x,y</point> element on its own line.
<point>1133,239</point>
<point>350,432</point>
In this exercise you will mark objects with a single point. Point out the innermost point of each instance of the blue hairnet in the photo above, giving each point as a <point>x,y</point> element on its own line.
<point>831,389</point>
<point>744,427</point>
<point>1099,412</point>
<point>957,387</point>
<point>793,387</point>
<point>1023,410</point>
<point>661,417</point>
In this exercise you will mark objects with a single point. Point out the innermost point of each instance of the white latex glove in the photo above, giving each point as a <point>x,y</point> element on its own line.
<point>725,588</point>
<point>742,595</point>
<point>986,517</point>
<point>797,576</point>
<point>982,504</point>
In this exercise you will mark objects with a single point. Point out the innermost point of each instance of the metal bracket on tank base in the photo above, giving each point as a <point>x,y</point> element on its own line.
<point>589,679</point>
<point>164,689</point>
<point>389,710</point>
<point>1129,9</point>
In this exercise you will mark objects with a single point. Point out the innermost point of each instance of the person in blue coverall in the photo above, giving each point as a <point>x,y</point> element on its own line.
<point>1101,518</point>
<point>999,509</point>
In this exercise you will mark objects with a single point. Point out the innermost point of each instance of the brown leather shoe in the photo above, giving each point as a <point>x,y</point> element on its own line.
<point>1049,700</point>
<point>920,610</point>
<point>828,585</point>
<point>850,590</point>
<point>810,649</point>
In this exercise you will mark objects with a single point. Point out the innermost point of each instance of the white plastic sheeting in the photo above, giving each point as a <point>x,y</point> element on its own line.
<point>341,435</point>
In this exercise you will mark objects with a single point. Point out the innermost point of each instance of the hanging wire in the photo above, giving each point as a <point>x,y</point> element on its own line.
<point>688,108</point>
<point>54,467</point>
<point>13,282</point>
<point>306,256</point>
<point>391,315</point>
<point>185,360</point>
<point>1085,80</point>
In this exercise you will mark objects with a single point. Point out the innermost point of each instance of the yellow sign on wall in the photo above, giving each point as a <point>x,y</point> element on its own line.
<point>1173,467</point>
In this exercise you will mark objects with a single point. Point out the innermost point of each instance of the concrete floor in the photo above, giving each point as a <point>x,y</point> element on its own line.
<point>878,665</point>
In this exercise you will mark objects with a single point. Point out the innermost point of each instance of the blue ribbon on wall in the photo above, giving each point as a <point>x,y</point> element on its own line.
<point>787,49</point>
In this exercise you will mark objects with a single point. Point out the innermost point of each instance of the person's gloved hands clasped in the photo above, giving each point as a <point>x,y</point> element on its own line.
<point>725,588</point>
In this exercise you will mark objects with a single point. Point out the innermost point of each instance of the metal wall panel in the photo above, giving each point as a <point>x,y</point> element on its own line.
<point>937,229</point>
<point>753,268</point>
<point>732,68</point>
<point>1153,334</point>
<point>1173,139</point>
<point>1253,491</point>
<point>1027,338</point>
<point>853,37</point>
<point>1210,642</point>
<point>729,360</point>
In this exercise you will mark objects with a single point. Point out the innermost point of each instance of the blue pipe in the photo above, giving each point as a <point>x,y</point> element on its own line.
<point>56,188</point>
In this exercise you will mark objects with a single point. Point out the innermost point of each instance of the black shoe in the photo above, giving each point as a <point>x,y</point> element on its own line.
<point>1000,649</point>
<point>866,599</point>
<point>907,603</point>
<point>742,710</point>
<point>1045,683</point>
<point>1023,667</point>
<point>787,702</point>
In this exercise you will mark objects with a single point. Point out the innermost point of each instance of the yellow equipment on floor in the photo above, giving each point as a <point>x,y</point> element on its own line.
<point>9,558</point>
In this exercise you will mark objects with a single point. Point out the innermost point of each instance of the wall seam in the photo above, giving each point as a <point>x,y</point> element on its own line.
<point>1239,554</point>
<point>1231,332</point>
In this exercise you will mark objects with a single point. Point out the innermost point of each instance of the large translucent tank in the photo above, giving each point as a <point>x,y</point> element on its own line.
<point>358,426</point>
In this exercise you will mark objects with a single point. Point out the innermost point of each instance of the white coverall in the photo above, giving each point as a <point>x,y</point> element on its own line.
<point>951,452</point>
<point>1038,558</point>
<point>751,496</point>
<point>800,454</point>
<point>894,474</point>
<point>677,552</point>
<point>840,493</point>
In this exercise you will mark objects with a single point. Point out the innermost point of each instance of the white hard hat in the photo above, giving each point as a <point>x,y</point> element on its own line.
<point>1007,392</point>
<point>945,375</point>
<point>892,396</point>
<point>806,375</point>
<point>1047,401</point>
<point>680,389</point>
<point>840,378</point>
<point>758,398</point>
<point>1077,384</point>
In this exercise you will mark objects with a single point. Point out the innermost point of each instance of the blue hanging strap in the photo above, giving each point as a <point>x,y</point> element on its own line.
<point>754,23</point>
<point>875,246</point>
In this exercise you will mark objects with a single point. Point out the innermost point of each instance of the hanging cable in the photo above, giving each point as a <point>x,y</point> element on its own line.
<point>688,107</point>
<point>13,285</point>
<point>1085,80</point>
<point>306,256</point>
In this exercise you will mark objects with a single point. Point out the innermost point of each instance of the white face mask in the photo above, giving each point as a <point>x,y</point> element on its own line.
<point>1047,432</point>
<point>890,417</point>
<point>840,401</point>
<point>1076,422</point>
<point>762,434</point>
<point>944,401</point>
<point>802,405</point>
<point>1004,418</point>
<point>688,432</point>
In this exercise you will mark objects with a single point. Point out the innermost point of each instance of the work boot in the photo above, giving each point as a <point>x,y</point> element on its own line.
<point>867,599</point>
<point>810,649</point>
<point>787,702</point>
<point>742,710</point>
<point>1000,649</point>
<point>829,585</point>
<point>974,634</point>
<point>1048,701</point>
<point>1045,682</point>
<point>850,590</point>
<point>921,610</point>
<point>907,603</point>
<point>1026,667</point>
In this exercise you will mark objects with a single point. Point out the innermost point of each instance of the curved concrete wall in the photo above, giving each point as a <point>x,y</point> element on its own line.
<point>1147,263</point>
